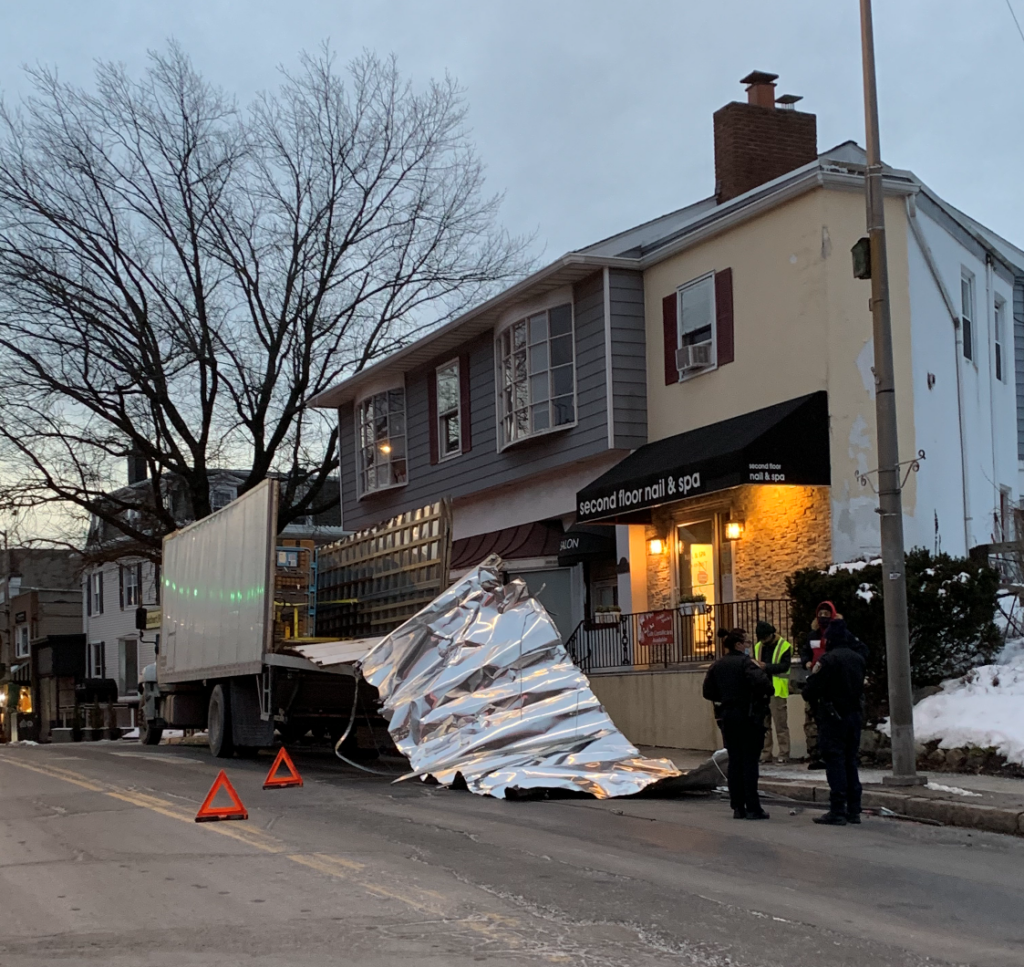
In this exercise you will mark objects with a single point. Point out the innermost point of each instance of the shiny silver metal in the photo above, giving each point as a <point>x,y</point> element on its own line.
<point>479,684</point>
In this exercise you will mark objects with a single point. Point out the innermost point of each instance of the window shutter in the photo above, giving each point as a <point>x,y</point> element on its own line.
<point>120,581</point>
<point>432,412</point>
<point>99,610</point>
<point>88,595</point>
<point>465,421</point>
<point>670,323</point>
<point>723,317</point>
<point>138,584</point>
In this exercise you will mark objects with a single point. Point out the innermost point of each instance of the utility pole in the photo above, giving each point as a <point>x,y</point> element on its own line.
<point>890,500</point>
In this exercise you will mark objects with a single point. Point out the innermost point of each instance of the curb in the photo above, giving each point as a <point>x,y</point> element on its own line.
<point>992,819</point>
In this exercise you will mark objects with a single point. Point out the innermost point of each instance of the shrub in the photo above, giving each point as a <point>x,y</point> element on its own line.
<point>951,605</point>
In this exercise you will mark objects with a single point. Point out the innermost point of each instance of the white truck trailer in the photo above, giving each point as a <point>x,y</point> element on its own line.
<point>234,606</point>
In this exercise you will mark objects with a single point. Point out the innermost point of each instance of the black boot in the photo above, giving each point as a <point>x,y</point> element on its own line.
<point>739,814</point>
<point>760,814</point>
<point>831,819</point>
<point>853,819</point>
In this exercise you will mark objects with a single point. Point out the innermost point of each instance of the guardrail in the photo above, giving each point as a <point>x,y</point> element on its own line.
<point>660,639</point>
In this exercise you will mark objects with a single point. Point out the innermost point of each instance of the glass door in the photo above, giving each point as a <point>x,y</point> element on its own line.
<point>697,564</point>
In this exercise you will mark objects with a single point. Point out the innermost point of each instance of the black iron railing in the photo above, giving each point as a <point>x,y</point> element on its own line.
<point>659,639</point>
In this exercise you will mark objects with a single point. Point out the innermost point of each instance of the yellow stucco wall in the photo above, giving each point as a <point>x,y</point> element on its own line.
<point>802,323</point>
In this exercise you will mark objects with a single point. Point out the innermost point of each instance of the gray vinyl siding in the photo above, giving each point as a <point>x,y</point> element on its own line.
<point>1018,359</point>
<point>483,466</point>
<point>629,358</point>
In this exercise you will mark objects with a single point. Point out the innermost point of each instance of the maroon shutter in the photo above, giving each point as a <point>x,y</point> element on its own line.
<point>432,412</point>
<point>465,419</point>
<point>120,580</point>
<point>670,323</point>
<point>723,317</point>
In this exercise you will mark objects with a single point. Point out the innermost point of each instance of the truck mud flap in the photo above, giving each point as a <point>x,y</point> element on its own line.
<point>247,727</point>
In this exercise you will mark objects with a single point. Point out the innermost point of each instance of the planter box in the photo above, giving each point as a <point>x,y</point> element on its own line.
<point>607,617</point>
<point>690,608</point>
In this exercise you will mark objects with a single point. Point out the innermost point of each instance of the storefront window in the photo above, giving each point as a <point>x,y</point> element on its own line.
<point>697,560</point>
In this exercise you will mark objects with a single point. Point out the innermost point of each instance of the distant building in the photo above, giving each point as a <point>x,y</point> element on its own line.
<point>126,576</point>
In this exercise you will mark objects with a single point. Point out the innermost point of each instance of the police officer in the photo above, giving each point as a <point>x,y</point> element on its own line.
<point>740,690</point>
<point>835,691</point>
<point>775,655</point>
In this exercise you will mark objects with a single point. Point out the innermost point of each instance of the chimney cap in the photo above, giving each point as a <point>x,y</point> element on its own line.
<point>788,101</point>
<point>759,77</point>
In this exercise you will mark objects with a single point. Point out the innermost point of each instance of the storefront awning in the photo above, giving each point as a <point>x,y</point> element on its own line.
<point>581,543</point>
<point>787,443</point>
<point>539,539</point>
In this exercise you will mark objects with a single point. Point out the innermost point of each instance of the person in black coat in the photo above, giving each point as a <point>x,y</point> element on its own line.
<point>835,691</point>
<point>740,691</point>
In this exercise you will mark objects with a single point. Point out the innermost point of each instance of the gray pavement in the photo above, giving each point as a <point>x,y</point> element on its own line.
<point>101,863</point>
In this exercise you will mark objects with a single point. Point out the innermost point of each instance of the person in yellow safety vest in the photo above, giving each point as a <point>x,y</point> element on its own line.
<point>774,654</point>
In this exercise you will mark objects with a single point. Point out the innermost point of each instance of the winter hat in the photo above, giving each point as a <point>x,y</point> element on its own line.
<point>836,634</point>
<point>823,622</point>
<point>764,630</point>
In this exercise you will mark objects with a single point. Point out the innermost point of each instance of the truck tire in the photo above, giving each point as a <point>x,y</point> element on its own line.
<point>149,734</point>
<point>219,724</point>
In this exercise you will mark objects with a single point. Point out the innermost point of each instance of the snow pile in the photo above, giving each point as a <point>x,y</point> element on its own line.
<point>985,708</point>
<point>851,566</point>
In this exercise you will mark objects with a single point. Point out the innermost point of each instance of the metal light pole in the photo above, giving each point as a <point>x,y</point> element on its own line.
<point>890,501</point>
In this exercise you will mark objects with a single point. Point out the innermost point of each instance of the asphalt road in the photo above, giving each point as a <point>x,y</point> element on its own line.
<point>101,863</point>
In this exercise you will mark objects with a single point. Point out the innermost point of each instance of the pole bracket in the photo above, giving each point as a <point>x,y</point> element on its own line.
<point>913,466</point>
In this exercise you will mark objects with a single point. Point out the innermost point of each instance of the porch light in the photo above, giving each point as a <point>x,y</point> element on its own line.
<point>656,545</point>
<point>733,530</point>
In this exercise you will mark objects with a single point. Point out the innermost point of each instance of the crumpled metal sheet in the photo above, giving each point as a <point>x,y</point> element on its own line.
<point>479,683</point>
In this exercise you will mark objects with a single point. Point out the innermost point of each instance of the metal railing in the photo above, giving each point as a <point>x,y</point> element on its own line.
<point>660,639</point>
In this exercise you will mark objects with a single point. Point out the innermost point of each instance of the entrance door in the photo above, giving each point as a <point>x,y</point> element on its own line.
<point>697,564</point>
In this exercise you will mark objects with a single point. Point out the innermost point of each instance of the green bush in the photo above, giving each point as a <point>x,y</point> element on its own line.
<point>951,604</point>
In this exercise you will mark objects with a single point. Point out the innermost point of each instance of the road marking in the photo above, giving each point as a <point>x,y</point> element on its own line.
<point>490,925</point>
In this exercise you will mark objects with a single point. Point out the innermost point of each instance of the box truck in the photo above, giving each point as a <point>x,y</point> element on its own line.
<point>236,600</point>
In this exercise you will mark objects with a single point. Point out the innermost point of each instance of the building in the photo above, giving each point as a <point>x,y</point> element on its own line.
<point>701,386</point>
<point>38,597</point>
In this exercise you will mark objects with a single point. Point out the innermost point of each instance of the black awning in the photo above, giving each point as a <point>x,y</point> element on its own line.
<point>581,543</point>
<point>787,443</point>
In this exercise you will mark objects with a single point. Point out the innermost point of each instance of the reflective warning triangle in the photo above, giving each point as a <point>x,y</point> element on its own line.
<point>274,781</point>
<point>208,813</point>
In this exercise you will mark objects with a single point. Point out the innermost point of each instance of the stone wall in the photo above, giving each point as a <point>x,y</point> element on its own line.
<point>785,528</point>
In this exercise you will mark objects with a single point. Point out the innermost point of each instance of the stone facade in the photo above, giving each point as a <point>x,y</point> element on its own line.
<point>785,528</point>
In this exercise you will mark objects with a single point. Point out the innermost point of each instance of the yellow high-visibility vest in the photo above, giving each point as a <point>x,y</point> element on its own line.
<point>780,682</point>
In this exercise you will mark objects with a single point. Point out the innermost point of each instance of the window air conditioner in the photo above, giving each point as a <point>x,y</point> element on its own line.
<point>696,356</point>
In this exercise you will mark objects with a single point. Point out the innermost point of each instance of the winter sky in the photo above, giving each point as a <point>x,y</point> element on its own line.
<point>594,115</point>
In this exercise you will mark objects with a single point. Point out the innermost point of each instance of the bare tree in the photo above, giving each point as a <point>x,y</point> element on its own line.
<point>177,274</point>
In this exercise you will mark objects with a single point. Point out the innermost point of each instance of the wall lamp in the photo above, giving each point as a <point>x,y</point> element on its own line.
<point>733,530</point>
<point>656,545</point>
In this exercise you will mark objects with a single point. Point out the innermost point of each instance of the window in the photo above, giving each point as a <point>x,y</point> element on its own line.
<point>1000,315</point>
<point>449,435</point>
<point>97,659</point>
<point>131,585</point>
<point>696,329</point>
<point>967,314</point>
<point>128,664</point>
<point>220,497</point>
<point>21,648</point>
<point>95,593</point>
<point>381,429</point>
<point>538,375</point>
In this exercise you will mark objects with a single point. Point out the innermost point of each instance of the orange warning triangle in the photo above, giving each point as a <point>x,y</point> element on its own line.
<point>274,781</point>
<point>208,813</point>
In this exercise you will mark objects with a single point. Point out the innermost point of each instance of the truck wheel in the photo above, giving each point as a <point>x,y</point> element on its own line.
<point>219,723</point>
<point>149,734</point>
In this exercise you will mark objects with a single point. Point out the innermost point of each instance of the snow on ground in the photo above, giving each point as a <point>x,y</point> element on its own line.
<point>984,708</point>
<point>956,790</point>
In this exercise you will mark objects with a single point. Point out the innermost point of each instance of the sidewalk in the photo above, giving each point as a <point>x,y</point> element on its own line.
<point>990,803</point>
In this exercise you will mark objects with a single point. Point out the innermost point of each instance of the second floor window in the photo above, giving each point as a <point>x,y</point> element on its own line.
<point>95,593</point>
<point>696,315</point>
<point>21,648</point>
<point>381,441</point>
<point>538,375</point>
<point>131,585</point>
<point>967,314</point>
<point>449,432</point>
<point>220,497</point>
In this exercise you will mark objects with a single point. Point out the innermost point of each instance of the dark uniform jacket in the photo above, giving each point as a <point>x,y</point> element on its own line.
<point>737,686</point>
<point>837,680</point>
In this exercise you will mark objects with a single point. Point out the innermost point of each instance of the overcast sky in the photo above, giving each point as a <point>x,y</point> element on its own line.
<point>593,116</point>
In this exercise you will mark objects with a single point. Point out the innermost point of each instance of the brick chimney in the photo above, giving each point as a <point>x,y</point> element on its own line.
<point>762,139</point>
